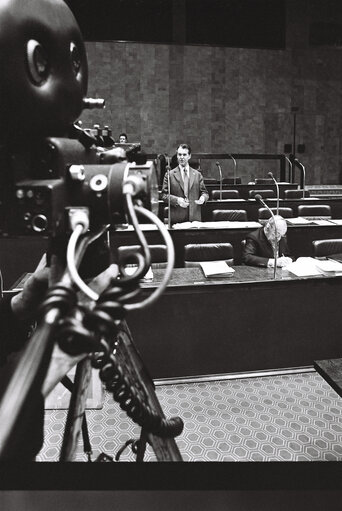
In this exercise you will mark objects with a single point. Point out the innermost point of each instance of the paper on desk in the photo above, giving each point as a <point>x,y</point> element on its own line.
<point>336,221</point>
<point>130,269</point>
<point>187,225</point>
<point>321,221</point>
<point>143,227</point>
<point>298,221</point>
<point>304,267</point>
<point>309,266</point>
<point>216,269</point>
<point>219,224</point>
<point>329,266</point>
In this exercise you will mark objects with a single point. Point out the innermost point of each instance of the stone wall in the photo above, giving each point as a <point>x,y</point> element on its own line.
<point>222,99</point>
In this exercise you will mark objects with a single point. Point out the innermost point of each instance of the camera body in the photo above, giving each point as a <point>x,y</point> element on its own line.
<point>48,163</point>
<point>62,173</point>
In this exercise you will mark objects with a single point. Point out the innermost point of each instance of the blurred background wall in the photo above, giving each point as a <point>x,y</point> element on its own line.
<point>238,95</point>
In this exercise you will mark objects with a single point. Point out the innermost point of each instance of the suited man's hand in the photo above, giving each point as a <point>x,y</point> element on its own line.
<point>282,262</point>
<point>200,201</point>
<point>183,203</point>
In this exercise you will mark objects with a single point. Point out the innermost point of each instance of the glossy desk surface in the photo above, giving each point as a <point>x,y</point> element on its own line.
<point>185,277</point>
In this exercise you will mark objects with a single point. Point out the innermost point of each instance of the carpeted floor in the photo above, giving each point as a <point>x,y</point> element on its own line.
<point>279,418</point>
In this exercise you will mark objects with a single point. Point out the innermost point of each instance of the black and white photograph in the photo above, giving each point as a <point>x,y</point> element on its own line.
<point>170,254</point>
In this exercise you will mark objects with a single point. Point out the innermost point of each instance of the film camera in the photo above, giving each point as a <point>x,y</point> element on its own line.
<point>56,182</point>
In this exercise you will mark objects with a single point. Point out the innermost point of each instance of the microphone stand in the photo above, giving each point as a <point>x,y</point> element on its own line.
<point>168,190</point>
<point>275,247</point>
<point>291,170</point>
<point>301,166</point>
<point>220,172</point>
<point>277,187</point>
<point>234,160</point>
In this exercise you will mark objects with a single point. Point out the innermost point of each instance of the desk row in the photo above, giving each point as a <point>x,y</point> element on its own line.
<point>300,239</point>
<point>243,210</point>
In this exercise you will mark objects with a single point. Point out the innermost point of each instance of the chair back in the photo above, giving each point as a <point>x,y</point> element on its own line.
<point>265,194</point>
<point>264,214</point>
<point>295,194</point>
<point>158,254</point>
<point>195,253</point>
<point>210,181</point>
<point>314,212</point>
<point>232,215</point>
<point>323,248</point>
<point>226,194</point>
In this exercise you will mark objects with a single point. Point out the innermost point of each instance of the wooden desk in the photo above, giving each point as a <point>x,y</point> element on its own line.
<point>299,238</point>
<point>19,255</point>
<point>243,189</point>
<point>252,207</point>
<point>248,322</point>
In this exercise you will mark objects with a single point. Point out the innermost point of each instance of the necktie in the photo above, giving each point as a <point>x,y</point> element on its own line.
<point>186,183</point>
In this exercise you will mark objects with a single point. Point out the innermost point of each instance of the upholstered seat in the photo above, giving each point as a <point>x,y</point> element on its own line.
<point>265,194</point>
<point>295,194</point>
<point>314,211</point>
<point>158,255</point>
<point>232,215</point>
<point>196,253</point>
<point>323,248</point>
<point>226,194</point>
<point>264,214</point>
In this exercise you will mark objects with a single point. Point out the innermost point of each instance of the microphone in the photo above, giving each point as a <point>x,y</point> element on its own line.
<point>220,172</point>
<point>291,171</point>
<point>168,159</point>
<point>258,198</point>
<point>297,162</point>
<point>234,160</point>
<point>277,187</point>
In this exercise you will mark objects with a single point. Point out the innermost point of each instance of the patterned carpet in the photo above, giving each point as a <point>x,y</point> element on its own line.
<point>293,417</point>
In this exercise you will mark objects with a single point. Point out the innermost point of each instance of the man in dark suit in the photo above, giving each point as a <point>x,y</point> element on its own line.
<point>259,247</point>
<point>187,190</point>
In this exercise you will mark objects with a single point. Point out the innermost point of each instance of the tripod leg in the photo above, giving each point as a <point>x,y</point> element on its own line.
<point>68,384</point>
<point>76,410</point>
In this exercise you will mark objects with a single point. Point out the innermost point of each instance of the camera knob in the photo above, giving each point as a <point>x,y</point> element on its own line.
<point>98,183</point>
<point>76,172</point>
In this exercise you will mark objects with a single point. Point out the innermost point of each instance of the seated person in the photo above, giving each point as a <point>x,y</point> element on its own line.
<point>259,247</point>
<point>123,139</point>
